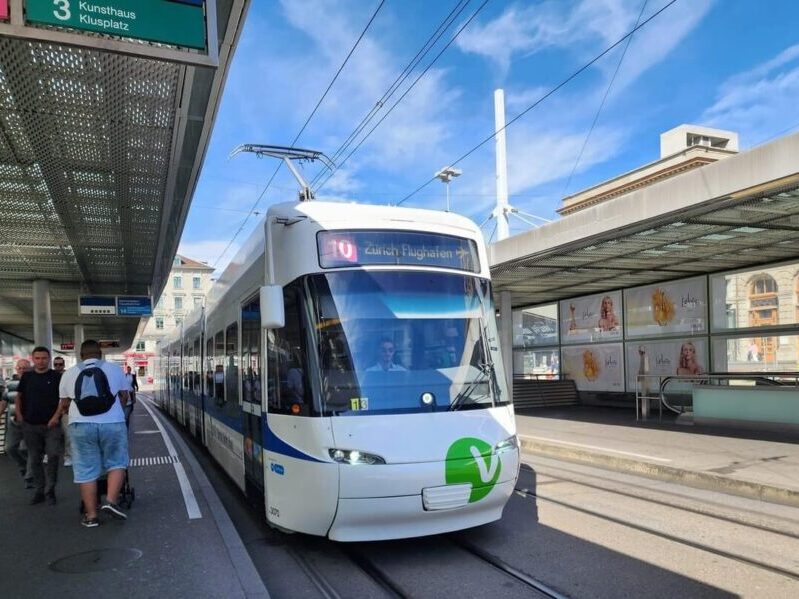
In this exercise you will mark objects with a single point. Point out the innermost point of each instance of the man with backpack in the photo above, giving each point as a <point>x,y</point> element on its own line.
<point>94,392</point>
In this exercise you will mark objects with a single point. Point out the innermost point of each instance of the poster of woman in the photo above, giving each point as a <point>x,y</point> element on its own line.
<point>686,357</point>
<point>591,318</point>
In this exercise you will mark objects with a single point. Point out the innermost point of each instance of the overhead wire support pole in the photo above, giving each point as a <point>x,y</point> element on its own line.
<point>287,154</point>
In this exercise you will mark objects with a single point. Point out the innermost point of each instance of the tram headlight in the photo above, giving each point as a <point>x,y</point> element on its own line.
<point>511,442</point>
<point>353,456</point>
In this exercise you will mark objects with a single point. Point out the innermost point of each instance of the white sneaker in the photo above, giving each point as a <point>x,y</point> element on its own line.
<point>44,461</point>
<point>67,462</point>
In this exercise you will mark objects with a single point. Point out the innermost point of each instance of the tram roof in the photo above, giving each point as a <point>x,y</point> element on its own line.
<point>100,152</point>
<point>741,212</point>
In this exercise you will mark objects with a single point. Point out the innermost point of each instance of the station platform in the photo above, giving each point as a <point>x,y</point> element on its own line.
<point>755,464</point>
<point>178,540</point>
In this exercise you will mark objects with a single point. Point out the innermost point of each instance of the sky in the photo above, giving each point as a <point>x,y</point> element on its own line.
<point>730,64</point>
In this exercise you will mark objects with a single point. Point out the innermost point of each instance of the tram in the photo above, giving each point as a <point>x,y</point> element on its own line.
<point>345,371</point>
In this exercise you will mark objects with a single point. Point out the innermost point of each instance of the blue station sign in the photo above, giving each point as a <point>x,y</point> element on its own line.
<point>136,305</point>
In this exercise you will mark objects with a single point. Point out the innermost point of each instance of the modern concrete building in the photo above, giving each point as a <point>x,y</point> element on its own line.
<point>682,149</point>
<point>687,264</point>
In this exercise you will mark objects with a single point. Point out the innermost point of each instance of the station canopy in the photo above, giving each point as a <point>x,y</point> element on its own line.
<point>99,156</point>
<point>737,213</point>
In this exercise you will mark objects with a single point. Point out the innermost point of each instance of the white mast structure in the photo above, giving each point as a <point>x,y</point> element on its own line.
<point>503,207</point>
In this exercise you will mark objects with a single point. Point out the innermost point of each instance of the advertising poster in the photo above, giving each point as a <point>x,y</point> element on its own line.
<point>591,318</point>
<point>535,326</point>
<point>663,358</point>
<point>667,308</point>
<point>594,367</point>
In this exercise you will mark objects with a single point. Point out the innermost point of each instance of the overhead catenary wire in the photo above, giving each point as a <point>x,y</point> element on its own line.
<point>308,120</point>
<point>405,93</point>
<point>602,103</point>
<point>542,98</point>
<point>431,41</point>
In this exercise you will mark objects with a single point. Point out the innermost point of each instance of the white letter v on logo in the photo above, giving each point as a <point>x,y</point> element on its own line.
<point>486,474</point>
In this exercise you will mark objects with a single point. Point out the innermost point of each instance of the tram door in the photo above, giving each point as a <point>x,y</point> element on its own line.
<point>251,397</point>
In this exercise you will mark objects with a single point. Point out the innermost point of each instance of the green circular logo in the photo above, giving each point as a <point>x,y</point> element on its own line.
<point>471,460</point>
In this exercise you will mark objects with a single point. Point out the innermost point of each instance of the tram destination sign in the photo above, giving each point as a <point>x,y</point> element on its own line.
<point>175,22</point>
<point>339,249</point>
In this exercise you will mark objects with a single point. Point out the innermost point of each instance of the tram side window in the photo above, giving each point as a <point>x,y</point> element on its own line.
<point>197,382</point>
<point>219,368</point>
<point>186,366</point>
<point>209,367</point>
<point>251,350</point>
<point>288,389</point>
<point>232,363</point>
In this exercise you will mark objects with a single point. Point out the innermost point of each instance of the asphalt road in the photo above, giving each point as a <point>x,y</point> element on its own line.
<point>573,530</point>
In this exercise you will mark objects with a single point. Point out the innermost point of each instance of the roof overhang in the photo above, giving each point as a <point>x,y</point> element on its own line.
<point>736,213</point>
<point>100,152</point>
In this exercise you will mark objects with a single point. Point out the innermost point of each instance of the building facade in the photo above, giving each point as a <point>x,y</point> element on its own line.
<point>189,282</point>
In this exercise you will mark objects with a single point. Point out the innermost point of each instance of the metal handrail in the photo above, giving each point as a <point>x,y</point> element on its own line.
<point>708,378</point>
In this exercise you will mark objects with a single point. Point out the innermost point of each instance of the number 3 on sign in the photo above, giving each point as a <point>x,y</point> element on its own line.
<point>62,11</point>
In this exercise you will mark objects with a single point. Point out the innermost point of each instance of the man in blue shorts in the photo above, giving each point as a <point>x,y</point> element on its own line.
<point>99,442</point>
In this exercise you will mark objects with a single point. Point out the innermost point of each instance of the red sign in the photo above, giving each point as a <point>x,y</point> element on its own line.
<point>4,10</point>
<point>70,345</point>
<point>344,249</point>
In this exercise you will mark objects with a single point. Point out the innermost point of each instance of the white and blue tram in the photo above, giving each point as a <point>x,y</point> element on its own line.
<point>346,372</point>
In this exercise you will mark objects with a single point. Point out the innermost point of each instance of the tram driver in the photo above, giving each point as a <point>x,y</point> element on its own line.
<point>385,358</point>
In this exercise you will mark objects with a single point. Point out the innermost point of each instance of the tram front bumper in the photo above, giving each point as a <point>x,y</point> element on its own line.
<point>396,501</point>
<point>382,518</point>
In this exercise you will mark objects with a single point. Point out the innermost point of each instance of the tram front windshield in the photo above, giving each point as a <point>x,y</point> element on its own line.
<point>405,342</point>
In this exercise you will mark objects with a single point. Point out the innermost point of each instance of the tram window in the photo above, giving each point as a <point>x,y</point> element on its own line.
<point>219,368</point>
<point>232,363</point>
<point>251,350</point>
<point>197,366</point>
<point>186,366</point>
<point>288,391</point>
<point>209,367</point>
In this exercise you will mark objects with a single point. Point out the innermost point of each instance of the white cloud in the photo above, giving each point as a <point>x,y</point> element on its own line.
<point>585,29</point>
<point>412,133</point>
<point>656,40</point>
<point>544,155</point>
<point>523,30</point>
<point>760,102</point>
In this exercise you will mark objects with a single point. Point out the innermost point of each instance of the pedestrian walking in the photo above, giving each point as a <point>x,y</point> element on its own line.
<point>37,409</point>
<point>94,392</point>
<point>132,385</point>
<point>14,438</point>
<point>58,366</point>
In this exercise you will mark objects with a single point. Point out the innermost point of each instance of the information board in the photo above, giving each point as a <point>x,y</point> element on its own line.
<point>93,305</point>
<point>175,22</point>
<point>137,305</point>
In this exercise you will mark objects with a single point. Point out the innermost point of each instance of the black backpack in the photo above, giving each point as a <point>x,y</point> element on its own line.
<point>92,393</point>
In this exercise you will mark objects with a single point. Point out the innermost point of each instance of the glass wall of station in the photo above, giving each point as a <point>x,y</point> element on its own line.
<point>738,321</point>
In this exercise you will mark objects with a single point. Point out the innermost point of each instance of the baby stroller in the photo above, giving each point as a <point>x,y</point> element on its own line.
<point>127,494</point>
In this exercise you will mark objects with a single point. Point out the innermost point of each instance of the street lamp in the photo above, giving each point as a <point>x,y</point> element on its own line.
<point>447,174</point>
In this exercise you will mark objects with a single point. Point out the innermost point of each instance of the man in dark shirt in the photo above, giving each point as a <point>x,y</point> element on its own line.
<point>37,403</point>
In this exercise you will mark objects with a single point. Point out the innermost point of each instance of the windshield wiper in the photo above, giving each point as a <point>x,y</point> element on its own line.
<point>466,394</point>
